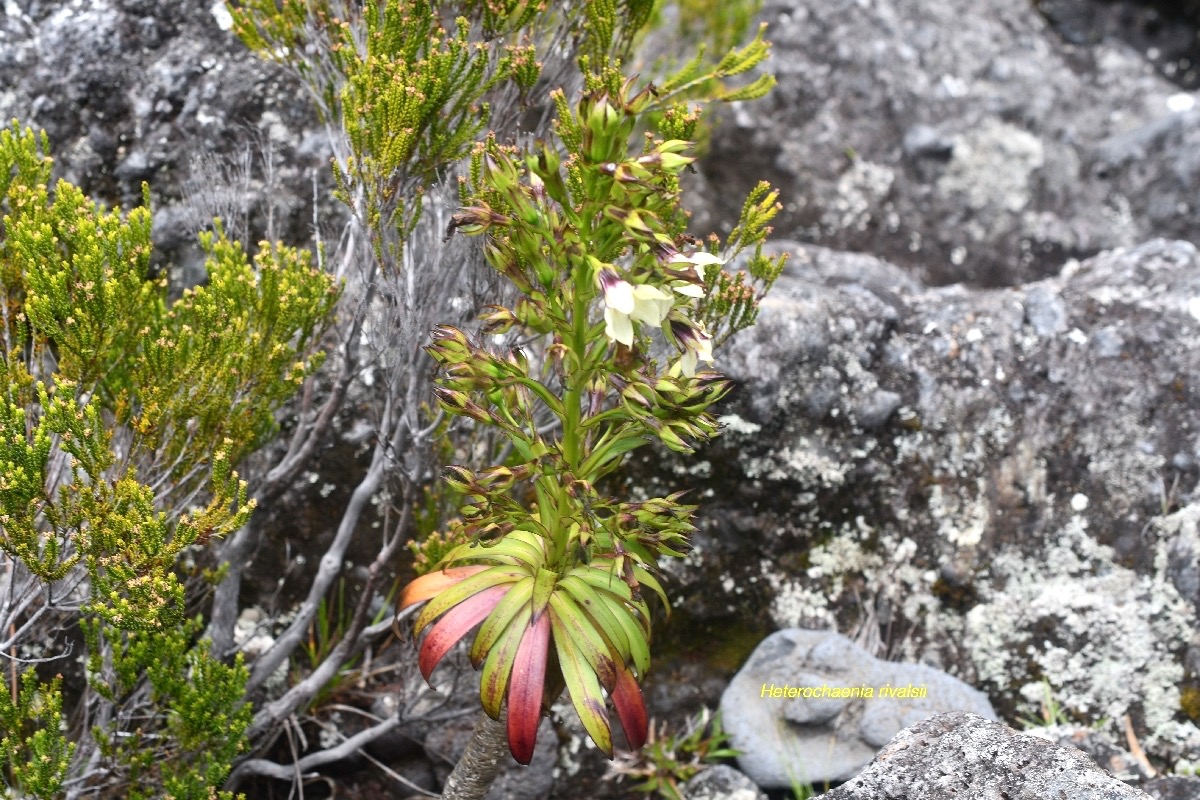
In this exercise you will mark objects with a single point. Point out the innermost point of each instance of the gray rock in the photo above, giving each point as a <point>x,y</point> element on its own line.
<point>1023,475</point>
<point>1044,310</point>
<point>1107,639</point>
<point>1114,760</point>
<point>157,91</point>
<point>1174,787</point>
<point>1182,532</point>
<point>780,711</point>
<point>721,782</point>
<point>962,139</point>
<point>960,755</point>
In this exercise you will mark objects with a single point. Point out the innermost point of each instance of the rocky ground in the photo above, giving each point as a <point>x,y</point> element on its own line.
<point>966,431</point>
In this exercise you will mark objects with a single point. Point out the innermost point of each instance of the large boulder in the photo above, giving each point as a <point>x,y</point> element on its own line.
<point>897,455</point>
<point>813,707</point>
<point>962,139</point>
<point>959,755</point>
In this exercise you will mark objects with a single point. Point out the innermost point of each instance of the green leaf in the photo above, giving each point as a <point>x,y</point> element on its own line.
<point>591,645</point>
<point>448,599</point>
<point>599,612</point>
<point>513,603</point>
<point>493,680</point>
<point>581,681</point>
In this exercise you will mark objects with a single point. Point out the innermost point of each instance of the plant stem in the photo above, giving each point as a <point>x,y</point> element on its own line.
<point>480,763</point>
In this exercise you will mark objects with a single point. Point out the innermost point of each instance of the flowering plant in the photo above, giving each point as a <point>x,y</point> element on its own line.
<point>594,240</point>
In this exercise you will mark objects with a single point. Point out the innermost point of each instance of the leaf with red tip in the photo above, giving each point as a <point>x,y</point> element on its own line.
<point>571,621</point>
<point>468,587</point>
<point>455,624</point>
<point>433,583</point>
<point>525,689</point>
<point>631,708</point>
<point>493,681</point>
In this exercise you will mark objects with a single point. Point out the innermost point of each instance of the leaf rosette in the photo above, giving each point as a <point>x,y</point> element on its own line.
<point>586,629</point>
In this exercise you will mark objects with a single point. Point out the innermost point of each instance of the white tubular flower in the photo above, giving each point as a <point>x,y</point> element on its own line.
<point>699,260</point>
<point>625,303</point>
<point>697,346</point>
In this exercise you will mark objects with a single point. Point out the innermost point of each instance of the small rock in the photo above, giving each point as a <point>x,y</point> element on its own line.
<point>1044,310</point>
<point>722,782</point>
<point>922,141</point>
<point>772,723</point>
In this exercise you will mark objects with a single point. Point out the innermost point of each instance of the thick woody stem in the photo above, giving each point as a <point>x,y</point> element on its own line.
<point>479,765</point>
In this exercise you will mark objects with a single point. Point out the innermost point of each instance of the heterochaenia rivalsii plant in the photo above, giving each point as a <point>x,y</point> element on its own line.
<point>592,237</point>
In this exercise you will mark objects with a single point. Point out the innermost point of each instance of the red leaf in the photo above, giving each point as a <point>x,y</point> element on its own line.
<point>433,583</point>
<point>525,689</point>
<point>455,624</point>
<point>631,708</point>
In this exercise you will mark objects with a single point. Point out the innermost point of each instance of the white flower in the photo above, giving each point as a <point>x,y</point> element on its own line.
<point>688,289</point>
<point>697,346</point>
<point>698,261</point>
<point>625,303</point>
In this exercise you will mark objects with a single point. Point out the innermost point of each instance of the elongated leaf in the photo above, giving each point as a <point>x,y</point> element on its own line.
<point>543,590</point>
<point>609,583</point>
<point>598,611</point>
<point>606,579</point>
<point>573,622</point>
<point>496,623</point>
<point>434,583</point>
<point>525,689</point>
<point>528,549</point>
<point>469,551</point>
<point>638,638</point>
<point>455,624</point>
<point>643,576</point>
<point>631,708</point>
<point>452,596</point>
<point>581,682</point>
<point>493,681</point>
<point>612,612</point>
